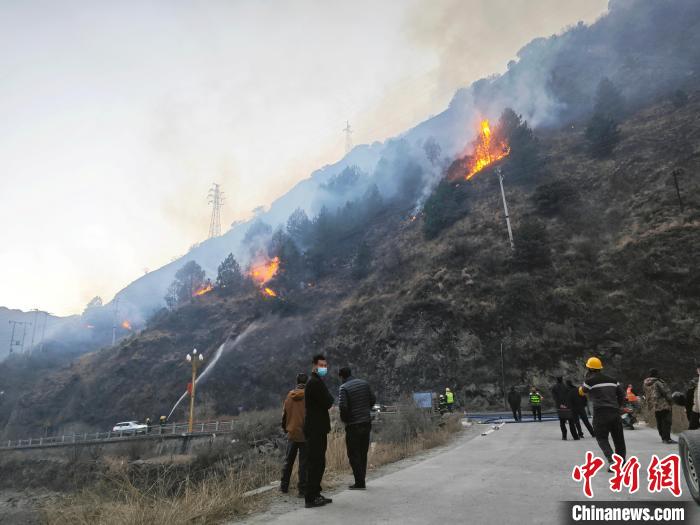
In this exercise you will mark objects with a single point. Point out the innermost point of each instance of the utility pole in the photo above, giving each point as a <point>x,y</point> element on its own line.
<point>36,315</point>
<point>505,208</point>
<point>216,199</point>
<point>114,321</point>
<point>12,335</point>
<point>348,137</point>
<point>43,331</point>
<point>675,174</point>
<point>24,334</point>
<point>503,378</point>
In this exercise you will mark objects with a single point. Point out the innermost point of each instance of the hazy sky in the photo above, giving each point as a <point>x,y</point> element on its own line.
<point>116,117</point>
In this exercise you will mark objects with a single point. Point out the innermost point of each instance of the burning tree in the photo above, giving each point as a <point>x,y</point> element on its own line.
<point>488,149</point>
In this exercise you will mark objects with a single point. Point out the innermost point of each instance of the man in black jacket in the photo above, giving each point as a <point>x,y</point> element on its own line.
<point>317,425</point>
<point>578,403</point>
<point>514,402</point>
<point>560,394</point>
<point>355,401</point>
<point>607,397</point>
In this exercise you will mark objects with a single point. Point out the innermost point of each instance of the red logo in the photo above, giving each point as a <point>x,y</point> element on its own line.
<point>586,472</point>
<point>625,474</point>
<point>662,474</point>
<point>665,474</point>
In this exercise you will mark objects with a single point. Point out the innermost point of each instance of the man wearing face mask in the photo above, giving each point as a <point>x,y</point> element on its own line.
<point>317,424</point>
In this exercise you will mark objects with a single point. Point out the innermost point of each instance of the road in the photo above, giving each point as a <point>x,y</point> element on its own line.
<point>517,474</point>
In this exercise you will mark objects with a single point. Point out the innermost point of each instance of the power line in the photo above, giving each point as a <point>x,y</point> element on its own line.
<point>216,199</point>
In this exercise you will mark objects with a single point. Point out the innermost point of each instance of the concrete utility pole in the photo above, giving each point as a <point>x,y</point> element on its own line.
<point>43,331</point>
<point>503,378</point>
<point>196,360</point>
<point>675,174</point>
<point>36,314</point>
<point>505,208</point>
<point>114,321</point>
<point>216,199</point>
<point>348,137</point>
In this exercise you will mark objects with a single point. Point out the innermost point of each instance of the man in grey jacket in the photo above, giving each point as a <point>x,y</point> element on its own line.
<point>355,402</point>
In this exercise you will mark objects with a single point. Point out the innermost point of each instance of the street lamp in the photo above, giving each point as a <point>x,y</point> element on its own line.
<point>196,360</point>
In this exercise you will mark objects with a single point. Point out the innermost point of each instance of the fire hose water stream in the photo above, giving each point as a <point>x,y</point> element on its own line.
<point>224,347</point>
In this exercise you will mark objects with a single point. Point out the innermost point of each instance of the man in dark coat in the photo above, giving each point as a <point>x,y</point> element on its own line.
<point>317,425</point>
<point>355,401</point>
<point>560,394</point>
<point>514,402</point>
<point>578,404</point>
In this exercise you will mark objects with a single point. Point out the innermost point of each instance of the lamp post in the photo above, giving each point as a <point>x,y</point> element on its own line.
<point>196,360</point>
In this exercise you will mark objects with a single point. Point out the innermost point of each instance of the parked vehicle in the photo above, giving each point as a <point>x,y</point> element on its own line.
<point>130,427</point>
<point>689,451</point>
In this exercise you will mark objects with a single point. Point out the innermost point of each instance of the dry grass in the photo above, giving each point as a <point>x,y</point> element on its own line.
<point>119,501</point>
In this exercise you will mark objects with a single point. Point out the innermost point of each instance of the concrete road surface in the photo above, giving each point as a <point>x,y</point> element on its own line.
<point>517,474</point>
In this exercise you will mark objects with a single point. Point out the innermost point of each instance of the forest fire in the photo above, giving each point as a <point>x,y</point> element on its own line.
<point>487,150</point>
<point>205,288</point>
<point>126,325</point>
<point>264,270</point>
<point>269,292</point>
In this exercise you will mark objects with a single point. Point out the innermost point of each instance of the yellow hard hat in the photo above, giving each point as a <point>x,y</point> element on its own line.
<point>594,363</point>
<point>447,389</point>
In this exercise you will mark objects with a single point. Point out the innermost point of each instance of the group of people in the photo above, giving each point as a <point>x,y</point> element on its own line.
<point>608,399</point>
<point>306,420</point>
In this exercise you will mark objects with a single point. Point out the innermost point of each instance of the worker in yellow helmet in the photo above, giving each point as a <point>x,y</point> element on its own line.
<point>607,397</point>
<point>450,399</point>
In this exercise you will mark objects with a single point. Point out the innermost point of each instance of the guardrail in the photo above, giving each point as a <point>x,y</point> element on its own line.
<point>156,431</point>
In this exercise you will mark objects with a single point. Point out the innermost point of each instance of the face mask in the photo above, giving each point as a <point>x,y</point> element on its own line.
<point>322,371</point>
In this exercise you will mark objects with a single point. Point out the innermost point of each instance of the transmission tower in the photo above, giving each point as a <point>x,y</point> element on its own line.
<point>348,137</point>
<point>16,342</point>
<point>216,199</point>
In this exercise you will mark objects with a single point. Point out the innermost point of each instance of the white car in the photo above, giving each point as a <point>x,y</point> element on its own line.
<point>130,427</point>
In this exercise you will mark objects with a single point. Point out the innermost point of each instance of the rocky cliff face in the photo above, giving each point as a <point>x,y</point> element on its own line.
<point>611,271</point>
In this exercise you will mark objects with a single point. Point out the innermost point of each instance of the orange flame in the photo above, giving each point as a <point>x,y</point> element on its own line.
<point>205,288</point>
<point>264,270</point>
<point>270,292</point>
<point>126,325</point>
<point>486,151</point>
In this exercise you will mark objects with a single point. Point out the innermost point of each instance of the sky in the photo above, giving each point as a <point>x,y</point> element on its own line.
<point>116,117</point>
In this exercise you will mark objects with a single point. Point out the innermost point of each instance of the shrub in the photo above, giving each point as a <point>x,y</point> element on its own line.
<point>444,207</point>
<point>602,134</point>
<point>552,198</point>
<point>531,246</point>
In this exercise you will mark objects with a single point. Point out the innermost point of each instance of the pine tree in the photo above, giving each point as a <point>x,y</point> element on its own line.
<point>229,278</point>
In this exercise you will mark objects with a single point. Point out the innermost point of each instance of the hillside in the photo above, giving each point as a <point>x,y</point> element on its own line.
<point>618,278</point>
<point>646,47</point>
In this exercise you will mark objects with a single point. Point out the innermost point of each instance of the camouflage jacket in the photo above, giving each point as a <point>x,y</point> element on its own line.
<point>657,394</point>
